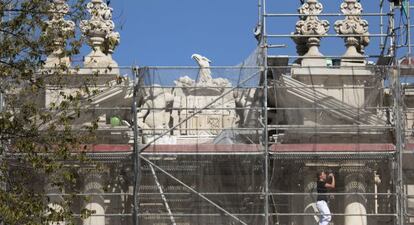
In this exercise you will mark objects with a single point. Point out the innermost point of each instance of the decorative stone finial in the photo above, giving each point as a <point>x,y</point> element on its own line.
<point>58,29</point>
<point>99,29</point>
<point>309,24</point>
<point>356,30</point>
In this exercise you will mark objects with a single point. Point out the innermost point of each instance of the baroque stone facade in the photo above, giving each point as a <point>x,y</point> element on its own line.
<point>195,110</point>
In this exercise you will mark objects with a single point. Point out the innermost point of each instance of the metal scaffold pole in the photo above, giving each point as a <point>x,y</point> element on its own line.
<point>399,122</point>
<point>136,154</point>
<point>399,126</point>
<point>409,42</point>
<point>263,45</point>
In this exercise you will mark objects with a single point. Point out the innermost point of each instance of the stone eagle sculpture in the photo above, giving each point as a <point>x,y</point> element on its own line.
<point>204,75</point>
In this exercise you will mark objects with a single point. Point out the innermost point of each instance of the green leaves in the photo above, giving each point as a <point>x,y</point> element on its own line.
<point>42,150</point>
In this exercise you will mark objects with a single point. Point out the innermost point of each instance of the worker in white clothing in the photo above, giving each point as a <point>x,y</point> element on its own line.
<point>322,200</point>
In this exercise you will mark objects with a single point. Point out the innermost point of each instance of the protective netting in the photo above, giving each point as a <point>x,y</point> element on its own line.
<point>333,118</point>
<point>202,127</point>
<point>208,143</point>
<point>212,153</point>
<point>407,108</point>
<point>219,145</point>
<point>325,101</point>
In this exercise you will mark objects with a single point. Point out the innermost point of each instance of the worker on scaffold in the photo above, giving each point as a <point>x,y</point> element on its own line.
<point>322,201</point>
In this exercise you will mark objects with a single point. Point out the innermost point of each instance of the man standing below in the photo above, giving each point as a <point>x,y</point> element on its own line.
<point>322,200</point>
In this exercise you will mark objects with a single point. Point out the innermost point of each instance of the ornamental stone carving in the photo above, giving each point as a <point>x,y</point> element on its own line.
<point>356,30</point>
<point>204,75</point>
<point>308,33</point>
<point>153,114</point>
<point>99,30</point>
<point>192,95</point>
<point>59,30</point>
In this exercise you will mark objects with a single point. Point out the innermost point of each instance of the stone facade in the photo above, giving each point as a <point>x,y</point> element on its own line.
<point>196,110</point>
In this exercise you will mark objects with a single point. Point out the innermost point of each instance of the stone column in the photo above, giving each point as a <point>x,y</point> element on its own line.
<point>94,184</point>
<point>356,30</point>
<point>309,31</point>
<point>354,203</point>
<point>310,199</point>
<point>58,29</point>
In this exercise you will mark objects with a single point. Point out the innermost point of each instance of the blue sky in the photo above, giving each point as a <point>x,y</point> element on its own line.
<point>168,32</point>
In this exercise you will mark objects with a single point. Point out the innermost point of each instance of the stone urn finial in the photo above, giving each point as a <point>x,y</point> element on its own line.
<point>309,31</point>
<point>356,31</point>
<point>99,30</point>
<point>59,30</point>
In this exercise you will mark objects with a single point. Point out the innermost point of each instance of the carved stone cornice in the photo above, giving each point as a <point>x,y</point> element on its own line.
<point>310,29</point>
<point>355,170</point>
<point>59,30</point>
<point>355,28</point>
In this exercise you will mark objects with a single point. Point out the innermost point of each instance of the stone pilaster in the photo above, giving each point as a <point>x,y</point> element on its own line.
<point>309,31</point>
<point>356,31</point>
<point>309,200</point>
<point>355,182</point>
<point>94,183</point>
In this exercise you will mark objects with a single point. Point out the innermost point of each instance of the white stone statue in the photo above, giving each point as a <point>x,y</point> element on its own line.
<point>153,114</point>
<point>184,82</point>
<point>357,30</point>
<point>99,29</point>
<point>191,95</point>
<point>58,29</point>
<point>204,75</point>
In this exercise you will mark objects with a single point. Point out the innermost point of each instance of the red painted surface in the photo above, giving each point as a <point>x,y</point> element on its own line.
<point>332,148</point>
<point>205,148</point>
<point>211,148</point>
<point>409,147</point>
<point>107,148</point>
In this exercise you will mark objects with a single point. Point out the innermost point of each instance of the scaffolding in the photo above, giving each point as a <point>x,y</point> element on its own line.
<point>241,144</point>
<point>380,116</point>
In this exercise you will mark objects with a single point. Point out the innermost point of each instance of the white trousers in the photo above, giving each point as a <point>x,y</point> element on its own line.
<point>325,216</point>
